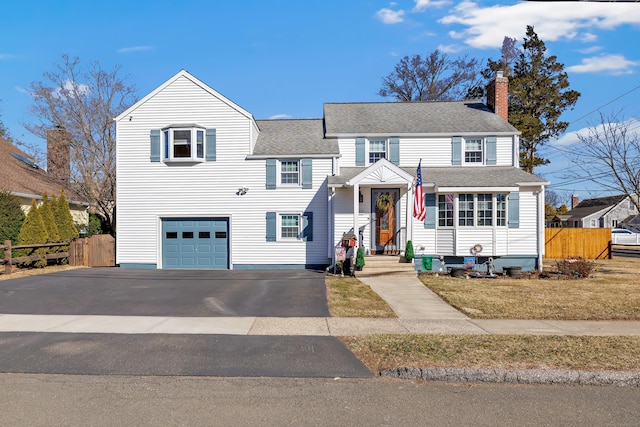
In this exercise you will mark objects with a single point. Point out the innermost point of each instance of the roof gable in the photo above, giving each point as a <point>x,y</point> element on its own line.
<point>184,74</point>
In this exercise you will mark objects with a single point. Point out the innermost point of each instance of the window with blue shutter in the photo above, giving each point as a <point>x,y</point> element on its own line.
<point>394,151</point>
<point>491,144</point>
<point>513,208</point>
<point>432,210</point>
<point>155,145</point>
<point>360,147</point>
<point>211,145</point>
<point>307,226</point>
<point>307,173</point>
<point>271,174</point>
<point>456,151</point>
<point>272,227</point>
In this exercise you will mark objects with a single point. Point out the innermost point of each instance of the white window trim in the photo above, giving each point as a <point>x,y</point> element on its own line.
<point>456,212</point>
<point>483,151</point>
<point>167,146</point>
<point>279,182</point>
<point>367,150</point>
<point>279,227</point>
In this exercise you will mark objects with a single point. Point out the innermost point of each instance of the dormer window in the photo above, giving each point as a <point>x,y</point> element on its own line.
<point>184,144</point>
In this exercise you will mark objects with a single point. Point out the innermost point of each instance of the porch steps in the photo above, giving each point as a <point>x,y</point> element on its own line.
<point>383,265</point>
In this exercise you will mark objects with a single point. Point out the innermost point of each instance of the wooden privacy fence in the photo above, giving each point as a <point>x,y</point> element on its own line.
<point>94,251</point>
<point>587,243</point>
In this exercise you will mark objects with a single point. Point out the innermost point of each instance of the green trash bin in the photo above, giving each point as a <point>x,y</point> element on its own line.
<point>427,263</point>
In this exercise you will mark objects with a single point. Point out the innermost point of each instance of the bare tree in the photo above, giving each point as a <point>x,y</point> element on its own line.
<point>433,78</point>
<point>84,101</point>
<point>609,155</point>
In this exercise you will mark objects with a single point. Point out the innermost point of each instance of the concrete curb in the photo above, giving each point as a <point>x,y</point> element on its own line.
<point>534,376</point>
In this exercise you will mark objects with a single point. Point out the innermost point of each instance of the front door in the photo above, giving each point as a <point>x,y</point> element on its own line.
<point>385,206</point>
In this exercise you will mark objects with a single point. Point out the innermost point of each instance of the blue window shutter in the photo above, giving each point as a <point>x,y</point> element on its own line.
<point>456,151</point>
<point>210,141</point>
<point>271,174</point>
<point>491,150</point>
<point>155,145</point>
<point>307,172</point>
<point>394,151</point>
<point>307,226</point>
<point>514,210</point>
<point>359,151</point>
<point>432,210</point>
<point>271,226</point>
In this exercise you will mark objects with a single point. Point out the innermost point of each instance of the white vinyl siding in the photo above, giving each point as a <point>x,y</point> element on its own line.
<point>149,191</point>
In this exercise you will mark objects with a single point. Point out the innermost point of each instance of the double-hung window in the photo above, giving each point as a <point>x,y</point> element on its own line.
<point>289,226</point>
<point>501,210</point>
<point>465,209</point>
<point>290,172</point>
<point>485,209</point>
<point>183,144</point>
<point>473,151</point>
<point>377,150</point>
<point>445,210</point>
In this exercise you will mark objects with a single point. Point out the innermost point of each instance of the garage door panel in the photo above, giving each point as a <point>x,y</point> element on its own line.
<point>195,243</point>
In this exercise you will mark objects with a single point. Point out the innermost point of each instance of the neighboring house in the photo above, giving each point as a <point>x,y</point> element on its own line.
<point>602,212</point>
<point>202,184</point>
<point>26,180</point>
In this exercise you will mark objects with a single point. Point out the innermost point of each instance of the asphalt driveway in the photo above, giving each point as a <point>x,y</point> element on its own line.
<point>174,293</point>
<point>188,293</point>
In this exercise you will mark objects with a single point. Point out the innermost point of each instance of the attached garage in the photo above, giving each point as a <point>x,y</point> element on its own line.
<point>195,243</point>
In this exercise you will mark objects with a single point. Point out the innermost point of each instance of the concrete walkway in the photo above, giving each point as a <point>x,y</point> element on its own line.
<point>419,310</point>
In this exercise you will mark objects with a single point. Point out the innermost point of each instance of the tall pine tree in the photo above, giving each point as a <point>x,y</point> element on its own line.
<point>64,220</point>
<point>46,212</point>
<point>538,94</point>
<point>33,232</point>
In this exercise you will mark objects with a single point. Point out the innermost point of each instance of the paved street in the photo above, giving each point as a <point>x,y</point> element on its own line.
<point>46,400</point>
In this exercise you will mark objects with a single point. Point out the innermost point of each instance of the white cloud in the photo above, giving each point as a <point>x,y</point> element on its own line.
<point>450,48</point>
<point>388,16</point>
<point>69,86</point>
<point>6,56</point>
<point>486,27</point>
<point>572,138</point>
<point>280,117</point>
<point>588,37</point>
<point>422,5</point>
<point>21,89</point>
<point>613,64</point>
<point>592,49</point>
<point>134,49</point>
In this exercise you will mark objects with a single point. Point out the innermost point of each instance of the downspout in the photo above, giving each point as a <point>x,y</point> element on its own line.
<point>541,230</point>
<point>356,212</point>
<point>331,222</point>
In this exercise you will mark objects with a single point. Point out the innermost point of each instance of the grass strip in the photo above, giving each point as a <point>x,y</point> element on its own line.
<point>349,297</point>
<point>380,352</point>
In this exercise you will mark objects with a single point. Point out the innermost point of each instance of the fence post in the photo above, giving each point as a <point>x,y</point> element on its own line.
<point>7,257</point>
<point>85,251</point>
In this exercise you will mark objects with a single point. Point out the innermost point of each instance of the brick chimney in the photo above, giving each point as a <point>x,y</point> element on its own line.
<point>59,153</point>
<point>574,201</point>
<point>498,95</point>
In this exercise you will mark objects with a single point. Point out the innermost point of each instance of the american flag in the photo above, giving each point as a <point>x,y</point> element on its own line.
<point>419,211</point>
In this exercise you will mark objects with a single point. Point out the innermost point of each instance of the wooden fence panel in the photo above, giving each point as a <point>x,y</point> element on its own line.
<point>587,243</point>
<point>102,251</point>
<point>94,251</point>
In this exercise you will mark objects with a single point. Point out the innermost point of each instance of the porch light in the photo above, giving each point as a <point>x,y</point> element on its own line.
<point>361,196</point>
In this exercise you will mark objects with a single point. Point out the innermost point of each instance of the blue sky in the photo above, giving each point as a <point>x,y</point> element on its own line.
<point>286,58</point>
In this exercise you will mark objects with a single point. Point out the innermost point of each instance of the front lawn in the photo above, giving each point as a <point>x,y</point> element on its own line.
<point>612,294</point>
<point>349,297</point>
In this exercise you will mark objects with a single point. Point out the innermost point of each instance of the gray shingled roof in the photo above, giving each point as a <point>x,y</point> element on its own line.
<point>400,118</point>
<point>293,136</point>
<point>489,176</point>
<point>590,206</point>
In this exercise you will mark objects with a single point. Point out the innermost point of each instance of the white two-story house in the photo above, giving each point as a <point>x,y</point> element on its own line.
<point>202,184</point>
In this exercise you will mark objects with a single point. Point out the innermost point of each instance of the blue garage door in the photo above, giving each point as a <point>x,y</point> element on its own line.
<point>195,243</point>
